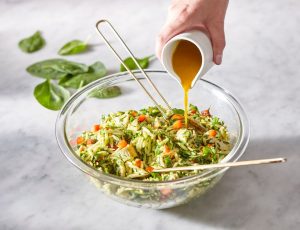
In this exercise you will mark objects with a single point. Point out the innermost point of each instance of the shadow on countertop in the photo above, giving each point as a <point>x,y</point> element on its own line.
<point>257,197</point>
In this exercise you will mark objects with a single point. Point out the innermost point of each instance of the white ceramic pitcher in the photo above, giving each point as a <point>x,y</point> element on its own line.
<point>203,43</point>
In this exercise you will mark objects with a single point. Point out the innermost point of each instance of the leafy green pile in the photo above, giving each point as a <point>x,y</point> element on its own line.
<point>67,74</point>
<point>61,74</point>
<point>133,143</point>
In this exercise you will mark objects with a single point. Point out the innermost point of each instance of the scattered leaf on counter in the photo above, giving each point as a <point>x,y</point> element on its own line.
<point>97,68</point>
<point>73,47</point>
<point>144,63</point>
<point>32,43</point>
<point>70,67</point>
<point>50,95</point>
<point>56,68</point>
<point>109,92</point>
<point>61,74</point>
<point>96,71</point>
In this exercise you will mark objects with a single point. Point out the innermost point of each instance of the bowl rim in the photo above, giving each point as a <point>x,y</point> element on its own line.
<point>70,154</point>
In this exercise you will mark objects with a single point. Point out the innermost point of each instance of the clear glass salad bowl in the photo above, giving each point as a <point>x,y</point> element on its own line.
<point>82,111</point>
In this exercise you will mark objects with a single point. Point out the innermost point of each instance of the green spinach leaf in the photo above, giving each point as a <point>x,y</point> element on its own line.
<point>206,151</point>
<point>109,92</point>
<point>64,79</point>
<point>144,63</point>
<point>178,111</point>
<point>73,47</point>
<point>32,43</point>
<point>96,71</point>
<point>50,95</point>
<point>97,68</point>
<point>70,67</point>
<point>168,161</point>
<point>56,68</point>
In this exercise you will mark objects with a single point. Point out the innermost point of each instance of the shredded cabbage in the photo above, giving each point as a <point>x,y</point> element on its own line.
<point>133,143</point>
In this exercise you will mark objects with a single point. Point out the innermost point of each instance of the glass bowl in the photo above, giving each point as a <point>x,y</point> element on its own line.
<point>82,111</point>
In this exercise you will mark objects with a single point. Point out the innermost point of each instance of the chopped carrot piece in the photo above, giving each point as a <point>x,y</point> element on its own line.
<point>96,128</point>
<point>193,111</point>
<point>166,191</point>
<point>167,149</point>
<point>134,113</point>
<point>141,118</point>
<point>212,133</point>
<point>205,112</point>
<point>177,117</point>
<point>177,124</point>
<point>138,163</point>
<point>79,140</point>
<point>122,144</point>
<point>149,169</point>
<point>90,141</point>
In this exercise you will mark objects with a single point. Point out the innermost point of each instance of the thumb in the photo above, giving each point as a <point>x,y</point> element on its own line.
<point>218,42</point>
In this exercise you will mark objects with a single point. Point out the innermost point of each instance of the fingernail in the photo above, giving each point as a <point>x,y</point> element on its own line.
<point>219,59</point>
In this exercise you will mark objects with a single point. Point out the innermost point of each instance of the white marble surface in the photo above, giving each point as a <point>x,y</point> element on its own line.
<point>41,190</point>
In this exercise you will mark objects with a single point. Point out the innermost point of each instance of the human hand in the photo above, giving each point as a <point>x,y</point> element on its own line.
<point>205,15</point>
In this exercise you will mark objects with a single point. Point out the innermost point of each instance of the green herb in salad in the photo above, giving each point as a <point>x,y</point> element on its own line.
<point>131,144</point>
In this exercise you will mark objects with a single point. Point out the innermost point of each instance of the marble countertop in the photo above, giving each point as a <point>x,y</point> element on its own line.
<point>41,190</point>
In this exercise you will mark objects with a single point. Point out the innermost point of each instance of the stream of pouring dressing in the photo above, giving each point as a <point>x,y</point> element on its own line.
<point>186,62</point>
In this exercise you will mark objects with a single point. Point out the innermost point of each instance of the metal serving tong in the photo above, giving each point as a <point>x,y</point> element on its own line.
<point>104,21</point>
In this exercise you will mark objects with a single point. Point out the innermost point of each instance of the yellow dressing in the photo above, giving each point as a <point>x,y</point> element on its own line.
<point>186,62</point>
